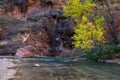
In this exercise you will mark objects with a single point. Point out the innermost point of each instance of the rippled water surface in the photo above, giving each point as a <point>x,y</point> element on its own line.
<point>59,69</point>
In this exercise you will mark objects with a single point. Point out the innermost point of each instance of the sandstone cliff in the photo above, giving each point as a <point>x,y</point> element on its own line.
<point>39,23</point>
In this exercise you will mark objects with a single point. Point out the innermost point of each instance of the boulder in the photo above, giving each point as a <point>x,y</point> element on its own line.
<point>27,51</point>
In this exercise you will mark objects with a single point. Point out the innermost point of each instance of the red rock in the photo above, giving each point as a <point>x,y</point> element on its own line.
<point>25,52</point>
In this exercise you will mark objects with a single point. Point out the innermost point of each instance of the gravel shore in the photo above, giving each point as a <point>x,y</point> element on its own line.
<point>5,72</point>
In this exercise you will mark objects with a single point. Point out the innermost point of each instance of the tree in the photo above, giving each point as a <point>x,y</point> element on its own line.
<point>88,31</point>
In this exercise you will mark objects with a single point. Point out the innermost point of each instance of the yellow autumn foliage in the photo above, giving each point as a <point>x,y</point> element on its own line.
<point>88,33</point>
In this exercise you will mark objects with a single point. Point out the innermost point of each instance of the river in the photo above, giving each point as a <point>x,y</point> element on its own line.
<point>58,69</point>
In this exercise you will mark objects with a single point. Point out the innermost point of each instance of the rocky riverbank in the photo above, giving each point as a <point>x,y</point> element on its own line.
<point>5,71</point>
<point>112,61</point>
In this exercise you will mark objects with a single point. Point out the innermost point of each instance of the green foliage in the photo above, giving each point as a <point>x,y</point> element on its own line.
<point>88,33</point>
<point>93,54</point>
<point>110,51</point>
<point>104,52</point>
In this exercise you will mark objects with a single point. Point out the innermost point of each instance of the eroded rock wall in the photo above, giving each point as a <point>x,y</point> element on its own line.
<point>20,9</point>
<point>47,30</point>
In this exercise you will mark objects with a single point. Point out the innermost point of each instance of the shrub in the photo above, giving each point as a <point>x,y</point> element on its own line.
<point>93,54</point>
<point>109,51</point>
<point>103,52</point>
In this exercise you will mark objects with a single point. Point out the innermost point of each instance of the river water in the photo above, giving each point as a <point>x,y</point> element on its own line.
<point>56,69</point>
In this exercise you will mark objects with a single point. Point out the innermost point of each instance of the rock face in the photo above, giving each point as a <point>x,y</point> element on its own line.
<point>20,9</point>
<point>8,45</point>
<point>27,51</point>
<point>49,31</point>
<point>58,31</point>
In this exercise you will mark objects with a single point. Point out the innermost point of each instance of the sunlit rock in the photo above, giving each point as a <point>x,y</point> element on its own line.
<point>27,51</point>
